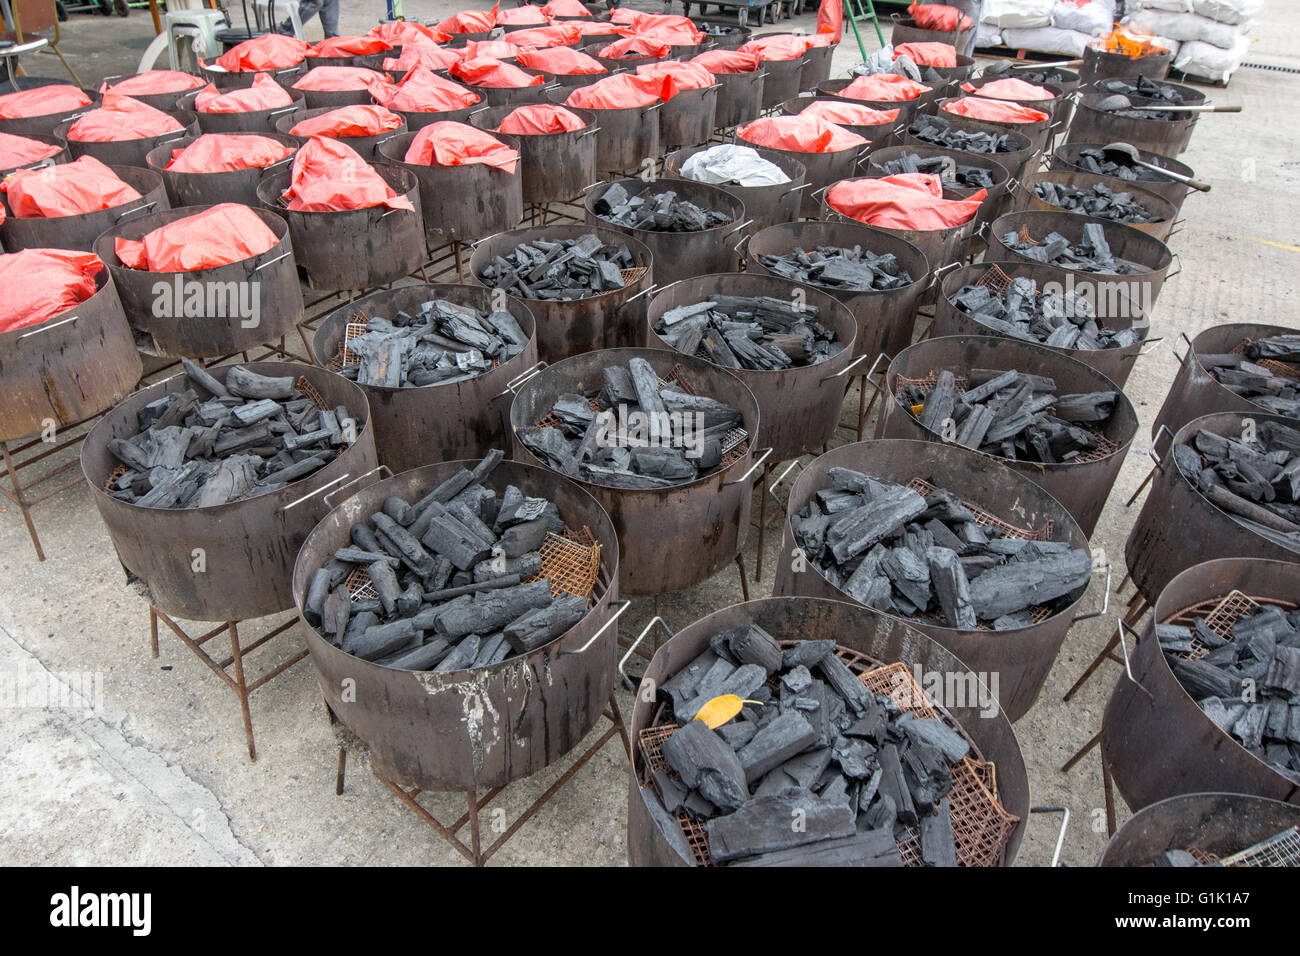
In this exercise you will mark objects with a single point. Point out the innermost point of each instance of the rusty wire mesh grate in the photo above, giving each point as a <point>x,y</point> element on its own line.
<point>113,475</point>
<point>981,826</point>
<point>1284,369</point>
<point>1220,614</point>
<point>987,518</point>
<point>1281,849</point>
<point>571,561</point>
<point>308,389</point>
<point>995,279</point>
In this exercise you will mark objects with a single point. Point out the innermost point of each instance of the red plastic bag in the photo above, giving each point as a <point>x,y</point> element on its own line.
<point>264,94</point>
<point>487,72</point>
<point>121,118</point>
<point>596,27</point>
<point>633,47</point>
<point>928,54</point>
<point>330,176</point>
<point>888,87</point>
<point>403,32</point>
<point>679,76</point>
<point>339,79</point>
<point>938,16</point>
<point>830,18</point>
<point>470,21</point>
<point>561,34</point>
<point>1010,88</point>
<point>491,49</point>
<point>270,51</point>
<point>677,30</point>
<point>42,101</point>
<point>906,201</point>
<point>215,237</point>
<point>347,122</point>
<point>561,61</point>
<point>540,119</point>
<point>994,111</point>
<point>154,81</point>
<point>459,144</point>
<point>224,152</point>
<point>18,151</point>
<point>565,8</point>
<point>617,92</point>
<point>782,46</point>
<point>727,61</point>
<point>350,46</point>
<point>425,55</point>
<point>423,91</point>
<point>849,114</point>
<point>800,134</point>
<point>42,283</point>
<point>525,15</point>
<point>72,189</point>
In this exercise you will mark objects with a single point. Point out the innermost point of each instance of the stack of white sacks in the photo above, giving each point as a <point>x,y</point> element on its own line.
<point>1047,26</point>
<point>1212,36</point>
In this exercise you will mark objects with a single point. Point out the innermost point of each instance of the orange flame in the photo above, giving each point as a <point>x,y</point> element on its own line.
<point>1131,43</point>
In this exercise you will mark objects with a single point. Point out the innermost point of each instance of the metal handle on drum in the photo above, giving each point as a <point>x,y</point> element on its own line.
<point>279,162</point>
<point>771,488</point>
<point>172,135</point>
<point>942,271</point>
<point>1142,352</point>
<point>795,189</point>
<point>359,478</point>
<point>754,466</point>
<point>391,211</point>
<point>519,379</point>
<point>1060,836</point>
<point>481,109</point>
<point>313,494</point>
<point>655,107</point>
<point>591,131</point>
<point>475,244</point>
<point>622,606</point>
<point>1170,275</point>
<point>1182,359</point>
<point>1013,184</point>
<point>380,142</point>
<point>128,212</point>
<point>743,239</point>
<point>627,681</point>
<point>1105,603</point>
<point>735,229</point>
<point>842,372</point>
<point>1155,443</point>
<point>598,182</point>
<point>647,290</point>
<point>46,328</point>
<point>1128,668</point>
<point>872,371</point>
<point>270,262</point>
<point>282,109</point>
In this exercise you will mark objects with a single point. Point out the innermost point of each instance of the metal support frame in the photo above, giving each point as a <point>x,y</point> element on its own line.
<point>1137,609</point>
<point>1107,785</point>
<point>15,459</point>
<point>239,684</point>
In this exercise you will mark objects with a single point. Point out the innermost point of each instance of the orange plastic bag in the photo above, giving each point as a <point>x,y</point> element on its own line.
<point>18,151</point>
<point>264,94</point>
<point>888,87</point>
<point>270,51</point>
<point>458,144</point>
<point>1010,88</point>
<point>154,81</point>
<point>520,16</point>
<point>830,18</point>
<point>423,91</point>
<point>350,46</point>
<point>42,101</point>
<point>72,189</point>
<point>540,119</point>
<point>470,21</point>
<point>634,47</point>
<point>561,61</point>
<point>215,237</point>
<point>928,54</point>
<point>425,55</point>
<point>677,30</point>
<point>782,46</point>
<point>596,27</point>
<point>493,74</point>
<point>618,92</point>
<point>492,49</point>
<point>339,79</point>
<point>727,61</point>
<point>678,76</point>
<point>906,201</point>
<point>565,8</point>
<point>938,16</point>
<point>994,111</point>
<point>121,118</point>
<point>42,283</point>
<point>330,176</point>
<point>349,121</point>
<point>561,34</point>
<point>849,114</point>
<point>402,32</point>
<point>223,153</point>
<point>800,134</point>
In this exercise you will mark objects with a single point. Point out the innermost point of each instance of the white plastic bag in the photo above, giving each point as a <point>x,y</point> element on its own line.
<point>1094,19</point>
<point>1048,40</point>
<point>1229,11</point>
<point>1188,26</point>
<point>1211,62</point>
<point>988,35</point>
<point>733,164</point>
<point>1018,14</point>
<point>1168,6</point>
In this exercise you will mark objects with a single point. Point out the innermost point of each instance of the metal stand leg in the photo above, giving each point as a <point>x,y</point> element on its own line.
<point>744,585</point>
<point>762,524</point>
<point>241,688</point>
<point>1138,608</point>
<point>343,766</point>
<point>1107,785</point>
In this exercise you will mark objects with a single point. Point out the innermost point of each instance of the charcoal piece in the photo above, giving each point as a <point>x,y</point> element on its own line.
<point>806,768</point>
<point>845,683</point>
<point>486,612</point>
<point>855,759</point>
<point>248,384</point>
<point>1173,638</point>
<point>1019,584</point>
<point>1249,727</point>
<point>753,645</point>
<point>399,510</point>
<point>894,786</point>
<point>857,530</point>
<point>797,679</point>
<point>449,537</point>
<point>381,639</point>
<point>938,846</point>
<point>948,577</point>
<point>937,734</point>
<point>771,823</point>
<point>406,546</point>
<point>204,379</point>
<point>1284,673</point>
<point>1202,680</point>
<point>525,566</point>
<point>1089,407</point>
<point>783,738</point>
<point>385,584</point>
<point>737,733</point>
<point>706,763</point>
<point>742,682</point>
<point>419,658</point>
<point>336,611</point>
<point>540,626</point>
<point>680,688</point>
<point>520,539</point>
<point>462,655</point>
<point>881,815</point>
<point>317,590</point>
<point>805,652</point>
<point>868,848</point>
<point>909,573</point>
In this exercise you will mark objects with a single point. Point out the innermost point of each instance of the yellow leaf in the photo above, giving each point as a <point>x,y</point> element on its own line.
<point>718,711</point>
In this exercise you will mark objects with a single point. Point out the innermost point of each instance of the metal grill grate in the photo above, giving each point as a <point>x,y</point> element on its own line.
<point>1282,849</point>
<point>995,279</point>
<point>988,519</point>
<point>1220,615</point>
<point>634,274</point>
<point>571,562</point>
<point>1284,369</point>
<point>113,475</point>
<point>308,389</point>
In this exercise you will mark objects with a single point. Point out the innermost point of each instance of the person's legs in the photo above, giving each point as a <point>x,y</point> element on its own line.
<point>329,17</point>
<point>973,9</point>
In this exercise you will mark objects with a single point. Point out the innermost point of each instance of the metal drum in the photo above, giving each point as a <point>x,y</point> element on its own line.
<point>1099,64</point>
<point>627,136</point>
<point>81,230</point>
<point>1216,825</point>
<point>1160,209</point>
<point>62,156</point>
<point>1016,160</point>
<point>367,147</point>
<point>242,79</point>
<point>1157,135</point>
<point>202,189</point>
<point>249,121</point>
<point>129,152</point>
<point>553,167</point>
<point>765,205</point>
<point>46,124</point>
<point>1066,157</point>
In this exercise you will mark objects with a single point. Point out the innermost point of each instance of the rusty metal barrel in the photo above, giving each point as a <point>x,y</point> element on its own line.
<point>680,255</point>
<point>248,545</point>
<point>816,66</point>
<point>128,152</point>
<point>627,136</point>
<point>1169,137</point>
<point>353,248</point>
<point>1101,64</point>
<point>71,366</point>
<point>1151,256</point>
<point>1155,738</point>
<point>1160,209</point>
<point>782,79</point>
<point>765,205</point>
<point>566,327</point>
<point>878,134</point>
<point>474,729</point>
<point>799,406</point>
<point>1082,485</point>
<point>1038,131</point>
<point>880,639</point>
<point>1177,523</point>
<point>333,99</point>
<point>1016,160</point>
<point>886,318</point>
<point>689,117</point>
<point>822,171</point>
<point>740,97</point>
<point>1216,825</point>
<point>459,203</point>
<point>367,147</point>
<point>418,426</point>
<point>998,194</point>
<point>201,189</point>
<point>242,79</point>
<point>1195,391</point>
<point>553,167</point>
<point>45,124</point>
<point>249,121</point>
<point>1113,308</point>
<point>62,156</point>
<point>1020,658</point>
<point>1067,156</point>
<point>166,327</point>
<point>81,230</point>
<point>669,538</point>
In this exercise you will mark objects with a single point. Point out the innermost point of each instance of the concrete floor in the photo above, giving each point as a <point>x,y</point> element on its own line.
<point>150,767</point>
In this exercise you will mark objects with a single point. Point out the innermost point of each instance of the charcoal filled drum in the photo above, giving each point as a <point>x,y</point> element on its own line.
<point>1038,132</point>
<point>159,101</point>
<point>129,152</point>
<point>80,231</point>
<point>202,189</point>
<point>765,205</point>
<point>781,80</point>
<point>46,124</point>
<point>627,136</point>
<point>874,640</point>
<point>1100,64</point>
<point>1168,137</point>
<point>816,66</point>
<point>334,99</point>
<point>998,194</point>
<point>1155,739</point>
<point>471,729</point>
<point>415,426</point>
<point>1214,826</point>
<point>674,537</point>
<point>248,545</point>
<point>553,167</point>
<point>1067,157</point>
<point>1160,210</point>
<point>1021,658</point>
<point>249,121</point>
<point>418,120</point>
<point>907,109</point>
<point>353,248</point>
<point>823,170</point>
<point>1016,160</point>
<point>511,96</point>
